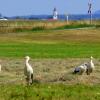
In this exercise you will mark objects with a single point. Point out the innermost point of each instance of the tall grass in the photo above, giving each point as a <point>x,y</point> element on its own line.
<point>32,25</point>
<point>22,25</point>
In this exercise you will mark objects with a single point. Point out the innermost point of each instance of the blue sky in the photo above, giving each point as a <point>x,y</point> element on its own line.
<point>35,7</point>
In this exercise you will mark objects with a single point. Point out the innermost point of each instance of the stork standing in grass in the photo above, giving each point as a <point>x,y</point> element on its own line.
<point>90,66</point>
<point>87,67</point>
<point>80,69</point>
<point>28,71</point>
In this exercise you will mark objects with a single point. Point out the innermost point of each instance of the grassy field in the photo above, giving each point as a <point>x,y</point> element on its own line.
<point>46,50</point>
<point>50,92</point>
<point>51,44</point>
<point>34,25</point>
<point>54,54</point>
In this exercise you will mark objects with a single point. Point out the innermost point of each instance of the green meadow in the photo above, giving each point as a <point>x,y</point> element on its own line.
<point>50,92</point>
<point>45,50</point>
<point>55,48</point>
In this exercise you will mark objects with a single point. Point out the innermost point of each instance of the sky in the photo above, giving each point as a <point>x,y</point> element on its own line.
<point>36,7</point>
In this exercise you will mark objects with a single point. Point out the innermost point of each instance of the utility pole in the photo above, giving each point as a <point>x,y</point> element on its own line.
<point>90,11</point>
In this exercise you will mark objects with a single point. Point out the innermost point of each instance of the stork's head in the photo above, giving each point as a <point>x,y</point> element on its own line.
<point>91,57</point>
<point>27,57</point>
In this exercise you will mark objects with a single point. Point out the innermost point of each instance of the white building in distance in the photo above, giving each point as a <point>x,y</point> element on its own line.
<point>55,14</point>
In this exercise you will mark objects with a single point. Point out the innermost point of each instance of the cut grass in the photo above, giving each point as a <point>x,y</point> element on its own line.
<point>58,50</point>
<point>50,92</point>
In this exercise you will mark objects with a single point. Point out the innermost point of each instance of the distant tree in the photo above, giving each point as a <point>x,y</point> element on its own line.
<point>17,17</point>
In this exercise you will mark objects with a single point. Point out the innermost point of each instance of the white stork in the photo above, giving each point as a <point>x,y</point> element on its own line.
<point>28,71</point>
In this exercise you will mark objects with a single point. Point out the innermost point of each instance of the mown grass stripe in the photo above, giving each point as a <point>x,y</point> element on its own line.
<point>67,50</point>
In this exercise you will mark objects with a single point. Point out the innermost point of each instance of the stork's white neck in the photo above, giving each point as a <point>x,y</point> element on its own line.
<point>27,60</point>
<point>91,60</point>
